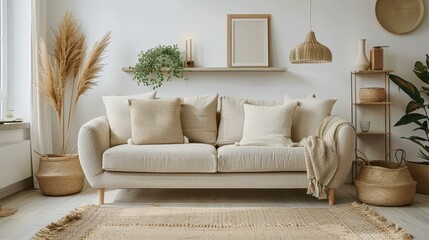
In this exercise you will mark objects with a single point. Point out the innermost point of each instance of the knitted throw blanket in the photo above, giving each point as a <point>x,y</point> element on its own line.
<point>321,156</point>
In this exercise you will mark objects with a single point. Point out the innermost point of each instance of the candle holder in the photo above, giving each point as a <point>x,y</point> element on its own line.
<point>189,64</point>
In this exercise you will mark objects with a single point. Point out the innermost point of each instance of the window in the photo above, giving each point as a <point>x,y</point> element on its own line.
<point>3,67</point>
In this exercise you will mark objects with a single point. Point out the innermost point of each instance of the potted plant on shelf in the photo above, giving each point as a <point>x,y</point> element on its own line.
<point>157,65</point>
<point>63,78</point>
<point>416,113</point>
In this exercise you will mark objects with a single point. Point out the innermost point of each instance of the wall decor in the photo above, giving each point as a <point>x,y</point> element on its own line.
<point>399,16</point>
<point>248,40</point>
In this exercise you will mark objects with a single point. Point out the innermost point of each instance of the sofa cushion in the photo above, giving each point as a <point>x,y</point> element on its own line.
<point>260,159</point>
<point>155,121</point>
<point>198,118</point>
<point>118,115</point>
<point>163,158</point>
<point>232,118</point>
<point>308,115</point>
<point>267,126</point>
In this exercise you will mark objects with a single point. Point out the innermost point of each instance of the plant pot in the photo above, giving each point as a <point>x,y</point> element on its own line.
<point>60,175</point>
<point>420,173</point>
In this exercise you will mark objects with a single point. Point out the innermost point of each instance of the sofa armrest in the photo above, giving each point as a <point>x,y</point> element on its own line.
<point>345,142</point>
<point>93,140</point>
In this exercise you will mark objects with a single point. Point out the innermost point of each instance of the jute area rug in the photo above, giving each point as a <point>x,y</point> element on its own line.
<point>116,222</point>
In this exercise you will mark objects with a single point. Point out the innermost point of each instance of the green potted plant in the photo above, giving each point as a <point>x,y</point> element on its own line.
<point>64,76</point>
<point>416,113</point>
<point>157,65</point>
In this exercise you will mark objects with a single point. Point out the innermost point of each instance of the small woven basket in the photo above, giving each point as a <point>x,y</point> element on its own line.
<point>385,183</point>
<point>60,175</point>
<point>372,94</point>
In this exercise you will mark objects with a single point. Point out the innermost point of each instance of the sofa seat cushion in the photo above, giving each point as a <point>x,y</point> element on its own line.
<point>162,158</point>
<point>233,158</point>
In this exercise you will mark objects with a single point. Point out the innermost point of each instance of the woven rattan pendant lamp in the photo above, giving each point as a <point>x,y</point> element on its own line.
<point>310,51</point>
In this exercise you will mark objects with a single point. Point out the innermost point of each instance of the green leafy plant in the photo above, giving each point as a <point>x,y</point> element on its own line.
<point>416,111</point>
<point>157,65</point>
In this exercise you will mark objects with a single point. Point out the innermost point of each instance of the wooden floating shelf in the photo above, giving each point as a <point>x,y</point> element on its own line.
<point>225,69</point>
<point>372,71</point>
<point>372,103</point>
<point>373,133</point>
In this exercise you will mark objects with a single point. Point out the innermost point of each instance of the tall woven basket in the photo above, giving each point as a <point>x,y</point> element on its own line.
<point>60,175</point>
<point>385,183</point>
<point>420,174</point>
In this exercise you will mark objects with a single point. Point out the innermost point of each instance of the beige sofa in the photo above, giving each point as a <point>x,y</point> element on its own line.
<point>200,165</point>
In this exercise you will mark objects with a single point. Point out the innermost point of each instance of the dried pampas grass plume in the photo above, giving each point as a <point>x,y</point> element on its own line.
<point>67,69</point>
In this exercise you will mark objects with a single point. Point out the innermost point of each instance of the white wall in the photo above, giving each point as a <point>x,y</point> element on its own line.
<point>339,24</point>
<point>18,56</point>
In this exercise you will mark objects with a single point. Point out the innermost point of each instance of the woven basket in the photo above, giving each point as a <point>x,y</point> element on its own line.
<point>385,183</point>
<point>372,94</point>
<point>60,175</point>
<point>420,174</point>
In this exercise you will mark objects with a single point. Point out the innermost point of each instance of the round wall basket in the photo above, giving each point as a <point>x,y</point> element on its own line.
<point>399,16</point>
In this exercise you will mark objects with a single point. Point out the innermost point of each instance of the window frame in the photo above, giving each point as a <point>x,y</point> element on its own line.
<point>3,58</point>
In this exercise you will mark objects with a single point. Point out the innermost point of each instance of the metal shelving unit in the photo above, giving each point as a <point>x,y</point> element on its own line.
<point>355,77</point>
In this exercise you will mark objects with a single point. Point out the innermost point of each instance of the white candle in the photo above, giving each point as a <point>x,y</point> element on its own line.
<point>190,47</point>
<point>186,51</point>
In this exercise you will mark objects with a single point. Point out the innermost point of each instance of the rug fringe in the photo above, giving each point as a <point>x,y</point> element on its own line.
<point>53,228</point>
<point>392,229</point>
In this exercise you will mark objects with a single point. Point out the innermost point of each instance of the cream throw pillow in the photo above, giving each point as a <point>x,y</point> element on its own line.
<point>155,121</point>
<point>198,118</point>
<point>308,115</point>
<point>118,115</point>
<point>267,126</point>
<point>232,118</point>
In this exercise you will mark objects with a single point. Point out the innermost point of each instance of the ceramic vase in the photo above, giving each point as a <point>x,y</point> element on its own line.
<point>362,62</point>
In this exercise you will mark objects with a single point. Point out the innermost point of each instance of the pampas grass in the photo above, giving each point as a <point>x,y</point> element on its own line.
<point>68,74</point>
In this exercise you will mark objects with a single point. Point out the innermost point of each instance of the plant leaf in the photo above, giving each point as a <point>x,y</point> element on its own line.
<point>409,118</point>
<point>425,90</point>
<point>408,88</point>
<point>427,60</point>
<point>422,155</point>
<point>421,72</point>
<point>415,138</point>
<point>412,106</point>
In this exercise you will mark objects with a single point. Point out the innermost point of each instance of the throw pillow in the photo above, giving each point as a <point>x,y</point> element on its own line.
<point>118,115</point>
<point>232,118</point>
<point>308,115</point>
<point>155,121</point>
<point>267,126</point>
<point>198,118</point>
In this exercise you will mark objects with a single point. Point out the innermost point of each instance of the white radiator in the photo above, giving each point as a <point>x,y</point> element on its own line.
<point>15,162</point>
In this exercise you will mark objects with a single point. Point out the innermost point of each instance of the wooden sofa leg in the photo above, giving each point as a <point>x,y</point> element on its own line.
<point>331,196</point>
<point>101,196</point>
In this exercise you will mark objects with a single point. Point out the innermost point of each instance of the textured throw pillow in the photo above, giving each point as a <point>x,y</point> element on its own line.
<point>198,118</point>
<point>155,121</point>
<point>267,126</point>
<point>232,118</point>
<point>118,115</point>
<point>308,115</point>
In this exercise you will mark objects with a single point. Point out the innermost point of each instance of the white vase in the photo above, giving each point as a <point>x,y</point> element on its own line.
<point>362,62</point>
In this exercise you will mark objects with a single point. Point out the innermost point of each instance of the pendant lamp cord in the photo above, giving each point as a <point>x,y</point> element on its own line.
<point>310,17</point>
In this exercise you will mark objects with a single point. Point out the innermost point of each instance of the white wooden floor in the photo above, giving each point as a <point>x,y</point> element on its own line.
<point>35,210</point>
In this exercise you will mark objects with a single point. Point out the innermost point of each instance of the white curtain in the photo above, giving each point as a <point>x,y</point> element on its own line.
<point>40,121</point>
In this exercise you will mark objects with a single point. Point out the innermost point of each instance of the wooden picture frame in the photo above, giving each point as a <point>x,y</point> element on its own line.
<point>248,40</point>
